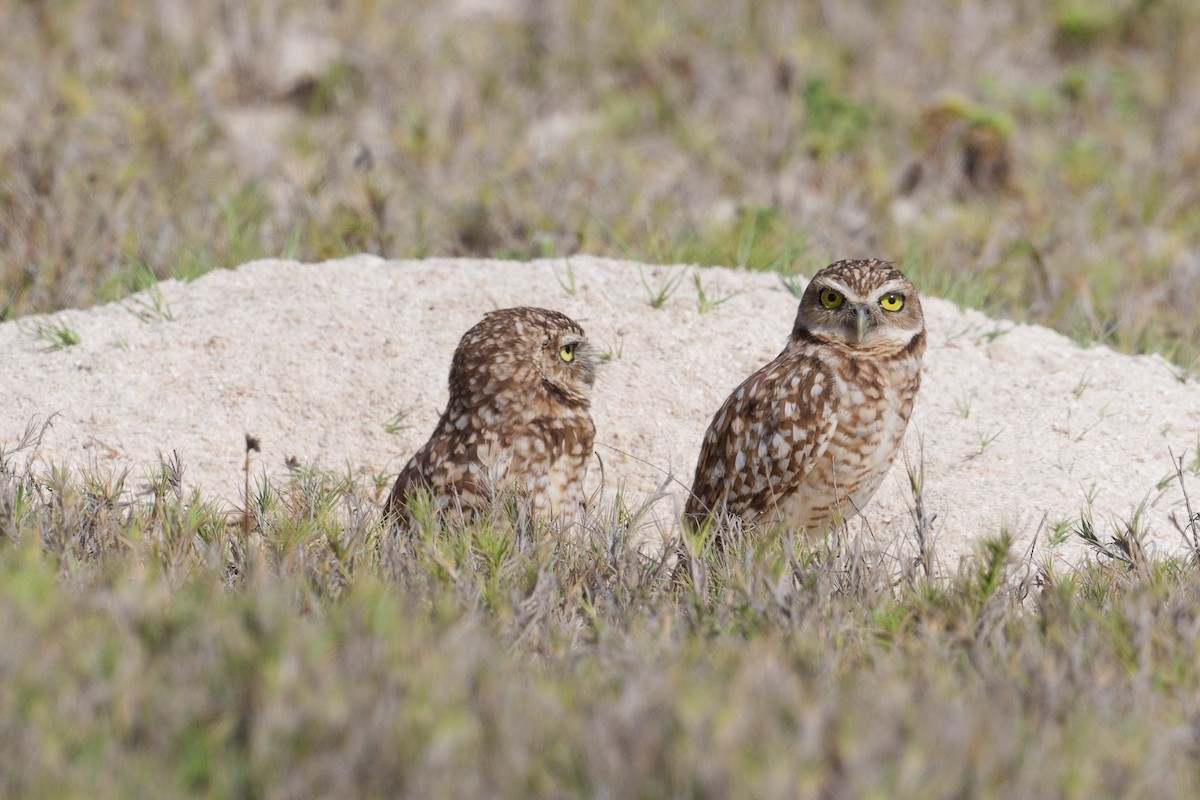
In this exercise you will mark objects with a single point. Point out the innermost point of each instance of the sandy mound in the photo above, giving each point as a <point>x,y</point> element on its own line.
<point>1019,424</point>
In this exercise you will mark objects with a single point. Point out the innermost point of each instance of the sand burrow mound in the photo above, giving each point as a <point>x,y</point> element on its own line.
<point>1021,428</point>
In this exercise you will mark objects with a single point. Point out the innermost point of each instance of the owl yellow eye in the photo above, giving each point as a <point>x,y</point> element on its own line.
<point>567,352</point>
<point>892,302</point>
<point>831,299</point>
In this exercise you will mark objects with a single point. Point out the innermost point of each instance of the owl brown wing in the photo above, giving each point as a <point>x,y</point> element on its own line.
<point>442,467</point>
<point>468,468</point>
<point>415,477</point>
<point>765,439</point>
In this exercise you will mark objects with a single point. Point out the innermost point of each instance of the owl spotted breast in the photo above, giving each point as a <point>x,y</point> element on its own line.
<point>806,440</point>
<point>517,425</point>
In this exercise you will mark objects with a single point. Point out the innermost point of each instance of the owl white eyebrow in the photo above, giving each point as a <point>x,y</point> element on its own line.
<point>855,297</point>
<point>891,287</point>
<point>838,286</point>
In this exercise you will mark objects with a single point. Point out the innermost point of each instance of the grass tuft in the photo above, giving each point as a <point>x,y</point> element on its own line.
<point>193,648</point>
<point>662,291</point>
<point>57,332</point>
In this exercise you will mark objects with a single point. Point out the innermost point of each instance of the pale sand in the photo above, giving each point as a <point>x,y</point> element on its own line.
<point>315,358</point>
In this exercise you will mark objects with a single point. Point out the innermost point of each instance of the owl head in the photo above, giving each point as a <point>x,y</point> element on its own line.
<point>516,353</point>
<point>864,305</point>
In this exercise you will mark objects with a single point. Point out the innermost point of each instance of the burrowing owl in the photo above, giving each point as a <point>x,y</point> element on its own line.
<point>517,425</point>
<point>806,440</point>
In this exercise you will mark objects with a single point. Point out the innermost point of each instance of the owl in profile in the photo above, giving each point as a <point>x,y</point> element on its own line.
<point>805,441</point>
<point>517,426</point>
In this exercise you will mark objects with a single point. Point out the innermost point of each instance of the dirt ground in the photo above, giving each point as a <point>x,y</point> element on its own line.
<point>1021,429</point>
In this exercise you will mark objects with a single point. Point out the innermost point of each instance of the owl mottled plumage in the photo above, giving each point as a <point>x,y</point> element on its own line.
<point>806,440</point>
<point>517,425</point>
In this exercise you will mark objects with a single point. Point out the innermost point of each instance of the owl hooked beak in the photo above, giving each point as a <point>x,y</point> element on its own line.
<point>862,324</point>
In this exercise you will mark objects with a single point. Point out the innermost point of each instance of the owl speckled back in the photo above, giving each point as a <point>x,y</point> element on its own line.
<point>517,423</point>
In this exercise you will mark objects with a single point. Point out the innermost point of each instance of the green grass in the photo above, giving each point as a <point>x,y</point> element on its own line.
<point>659,290</point>
<point>56,332</point>
<point>155,644</point>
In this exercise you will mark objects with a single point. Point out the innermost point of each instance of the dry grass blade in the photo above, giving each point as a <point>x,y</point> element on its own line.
<point>555,661</point>
<point>1190,529</point>
<point>922,519</point>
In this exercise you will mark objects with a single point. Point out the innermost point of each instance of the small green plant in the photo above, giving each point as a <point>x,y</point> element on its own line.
<point>922,517</point>
<point>1060,534</point>
<point>986,439</point>
<point>612,352</point>
<point>568,283</point>
<point>1077,436</point>
<point>1101,415</point>
<point>658,295</point>
<point>963,404</point>
<point>381,481</point>
<point>56,332</point>
<point>398,422</point>
<point>988,570</point>
<point>794,284</point>
<point>1082,386</point>
<point>704,300</point>
<point>149,305</point>
<point>1126,545</point>
<point>995,332</point>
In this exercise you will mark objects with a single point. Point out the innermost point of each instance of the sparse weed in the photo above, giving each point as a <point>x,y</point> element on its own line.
<point>612,352</point>
<point>567,283</point>
<point>658,295</point>
<point>1189,528</point>
<point>794,285</point>
<point>995,333</point>
<point>150,306</point>
<point>1077,436</point>
<point>922,518</point>
<point>381,481</point>
<point>963,404</point>
<point>986,438</point>
<point>1082,386</point>
<point>1060,534</point>
<point>1125,546</point>
<point>57,332</point>
<point>704,301</point>
<point>398,422</point>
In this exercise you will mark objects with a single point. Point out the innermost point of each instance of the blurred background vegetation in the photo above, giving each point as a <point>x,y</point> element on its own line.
<point>1036,158</point>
